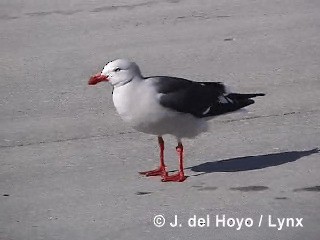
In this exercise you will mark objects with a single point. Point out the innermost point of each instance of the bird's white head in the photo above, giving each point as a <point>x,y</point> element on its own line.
<point>117,72</point>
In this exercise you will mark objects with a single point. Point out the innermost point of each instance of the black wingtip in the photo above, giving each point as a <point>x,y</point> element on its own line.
<point>254,95</point>
<point>241,96</point>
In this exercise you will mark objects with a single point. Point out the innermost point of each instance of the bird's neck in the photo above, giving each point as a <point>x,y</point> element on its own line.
<point>132,79</point>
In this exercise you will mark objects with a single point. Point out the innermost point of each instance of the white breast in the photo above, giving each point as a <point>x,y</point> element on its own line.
<point>137,104</point>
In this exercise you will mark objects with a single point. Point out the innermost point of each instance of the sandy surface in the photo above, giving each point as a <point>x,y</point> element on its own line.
<point>69,164</point>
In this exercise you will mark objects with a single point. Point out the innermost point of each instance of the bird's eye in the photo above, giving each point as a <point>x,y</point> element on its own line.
<point>117,69</point>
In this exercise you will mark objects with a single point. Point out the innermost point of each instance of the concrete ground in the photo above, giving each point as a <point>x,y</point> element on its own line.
<point>69,164</point>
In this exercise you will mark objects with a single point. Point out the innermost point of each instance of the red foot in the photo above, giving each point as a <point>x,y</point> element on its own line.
<point>178,177</point>
<point>160,171</point>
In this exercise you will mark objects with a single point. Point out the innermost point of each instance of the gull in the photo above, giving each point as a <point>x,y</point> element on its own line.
<point>162,105</point>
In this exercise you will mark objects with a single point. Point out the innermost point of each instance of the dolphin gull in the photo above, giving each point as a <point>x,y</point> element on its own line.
<point>163,105</point>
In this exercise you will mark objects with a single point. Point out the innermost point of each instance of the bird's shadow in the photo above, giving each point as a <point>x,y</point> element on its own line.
<point>251,162</point>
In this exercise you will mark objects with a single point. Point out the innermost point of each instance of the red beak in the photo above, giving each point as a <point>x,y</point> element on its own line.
<point>97,78</point>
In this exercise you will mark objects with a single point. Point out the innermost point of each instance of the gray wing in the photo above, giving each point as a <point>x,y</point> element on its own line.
<point>201,99</point>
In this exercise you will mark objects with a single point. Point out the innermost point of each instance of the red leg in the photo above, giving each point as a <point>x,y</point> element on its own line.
<point>178,177</point>
<point>161,170</point>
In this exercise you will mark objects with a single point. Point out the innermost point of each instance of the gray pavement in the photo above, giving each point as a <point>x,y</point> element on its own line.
<point>69,164</point>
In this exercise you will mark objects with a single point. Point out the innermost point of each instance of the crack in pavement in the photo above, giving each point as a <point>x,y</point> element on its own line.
<point>65,140</point>
<point>270,115</point>
<point>133,132</point>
